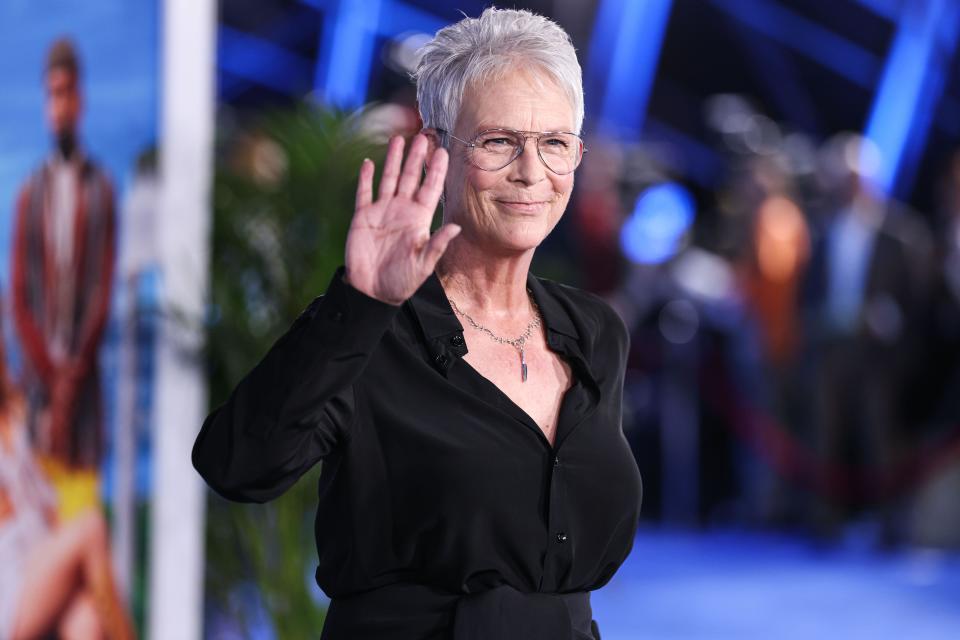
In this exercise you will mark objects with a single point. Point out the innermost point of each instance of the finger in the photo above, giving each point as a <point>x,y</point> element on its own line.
<point>429,192</point>
<point>437,244</point>
<point>365,184</point>
<point>391,168</point>
<point>413,167</point>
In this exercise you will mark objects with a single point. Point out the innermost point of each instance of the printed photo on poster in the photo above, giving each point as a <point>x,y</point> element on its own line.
<point>78,284</point>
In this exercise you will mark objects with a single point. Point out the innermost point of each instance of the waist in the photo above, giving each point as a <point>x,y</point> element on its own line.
<point>408,611</point>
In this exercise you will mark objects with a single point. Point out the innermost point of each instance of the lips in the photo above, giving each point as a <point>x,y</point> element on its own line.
<point>524,206</point>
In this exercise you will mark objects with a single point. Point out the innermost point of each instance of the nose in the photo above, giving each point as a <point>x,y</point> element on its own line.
<point>528,168</point>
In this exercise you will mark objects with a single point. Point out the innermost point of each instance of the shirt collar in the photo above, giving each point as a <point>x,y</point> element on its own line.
<point>433,310</point>
<point>436,317</point>
<point>443,332</point>
<point>554,315</point>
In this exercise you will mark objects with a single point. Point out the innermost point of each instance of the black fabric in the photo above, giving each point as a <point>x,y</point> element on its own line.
<point>431,475</point>
<point>505,613</point>
<point>501,613</point>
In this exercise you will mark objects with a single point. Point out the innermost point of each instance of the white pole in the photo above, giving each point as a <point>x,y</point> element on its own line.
<point>187,121</point>
<point>125,451</point>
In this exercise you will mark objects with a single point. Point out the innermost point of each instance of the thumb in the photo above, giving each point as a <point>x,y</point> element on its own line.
<point>438,244</point>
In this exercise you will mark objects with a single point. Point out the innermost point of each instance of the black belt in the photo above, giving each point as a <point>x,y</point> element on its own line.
<point>406,611</point>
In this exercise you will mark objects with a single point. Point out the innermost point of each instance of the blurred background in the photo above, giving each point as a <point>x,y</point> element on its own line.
<point>770,198</point>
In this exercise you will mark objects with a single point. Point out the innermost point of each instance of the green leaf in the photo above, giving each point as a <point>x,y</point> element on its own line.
<point>283,197</point>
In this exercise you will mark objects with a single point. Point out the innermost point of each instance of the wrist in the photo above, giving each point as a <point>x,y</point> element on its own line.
<point>368,291</point>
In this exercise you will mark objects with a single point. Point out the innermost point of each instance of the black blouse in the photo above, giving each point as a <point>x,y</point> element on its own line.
<point>434,484</point>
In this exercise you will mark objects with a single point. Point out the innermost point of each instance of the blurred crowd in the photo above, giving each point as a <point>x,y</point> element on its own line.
<point>796,332</point>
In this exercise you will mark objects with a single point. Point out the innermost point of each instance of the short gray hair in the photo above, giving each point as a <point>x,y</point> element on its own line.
<point>483,49</point>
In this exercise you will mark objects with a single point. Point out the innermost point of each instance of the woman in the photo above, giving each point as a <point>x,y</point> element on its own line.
<point>476,482</point>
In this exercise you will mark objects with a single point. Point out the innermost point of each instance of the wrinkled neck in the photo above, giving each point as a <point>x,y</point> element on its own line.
<point>496,286</point>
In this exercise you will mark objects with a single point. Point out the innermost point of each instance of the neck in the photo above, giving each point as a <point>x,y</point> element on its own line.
<point>495,286</point>
<point>66,143</point>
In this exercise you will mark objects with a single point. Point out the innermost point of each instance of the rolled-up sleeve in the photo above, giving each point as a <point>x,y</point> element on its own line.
<point>296,405</point>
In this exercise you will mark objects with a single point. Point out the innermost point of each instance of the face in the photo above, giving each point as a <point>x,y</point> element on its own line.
<point>511,210</point>
<point>63,101</point>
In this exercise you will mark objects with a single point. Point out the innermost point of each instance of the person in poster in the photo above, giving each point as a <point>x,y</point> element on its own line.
<point>56,575</point>
<point>62,270</point>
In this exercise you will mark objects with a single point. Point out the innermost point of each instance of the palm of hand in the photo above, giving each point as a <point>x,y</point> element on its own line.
<point>389,250</point>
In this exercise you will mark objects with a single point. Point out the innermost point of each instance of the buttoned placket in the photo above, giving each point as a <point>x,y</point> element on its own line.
<point>558,554</point>
<point>445,347</point>
<point>580,402</point>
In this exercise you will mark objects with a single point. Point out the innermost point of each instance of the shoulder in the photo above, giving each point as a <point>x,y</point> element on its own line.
<point>30,190</point>
<point>33,180</point>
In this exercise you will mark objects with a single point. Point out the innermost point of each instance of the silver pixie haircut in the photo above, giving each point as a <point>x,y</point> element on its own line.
<point>483,49</point>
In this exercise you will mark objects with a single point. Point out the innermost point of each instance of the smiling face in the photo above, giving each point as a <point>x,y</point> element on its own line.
<point>510,210</point>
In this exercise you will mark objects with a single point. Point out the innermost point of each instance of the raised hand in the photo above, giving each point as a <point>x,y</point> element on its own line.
<point>390,251</point>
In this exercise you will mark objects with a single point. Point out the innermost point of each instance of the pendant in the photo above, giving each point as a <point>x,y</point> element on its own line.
<point>523,366</point>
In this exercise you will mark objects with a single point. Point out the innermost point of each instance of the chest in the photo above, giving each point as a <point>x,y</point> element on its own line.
<point>548,376</point>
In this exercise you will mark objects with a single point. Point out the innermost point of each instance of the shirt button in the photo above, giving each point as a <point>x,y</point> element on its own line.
<point>556,461</point>
<point>457,340</point>
<point>561,537</point>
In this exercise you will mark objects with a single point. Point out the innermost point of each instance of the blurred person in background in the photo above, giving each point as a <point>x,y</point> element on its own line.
<point>597,217</point>
<point>690,345</point>
<point>942,381</point>
<point>63,260</point>
<point>777,255</point>
<point>863,299</point>
<point>476,482</point>
<point>770,268</point>
<point>56,576</point>
<point>935,392</point>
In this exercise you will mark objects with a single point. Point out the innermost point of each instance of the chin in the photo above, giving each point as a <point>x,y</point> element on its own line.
<point>519,236</point>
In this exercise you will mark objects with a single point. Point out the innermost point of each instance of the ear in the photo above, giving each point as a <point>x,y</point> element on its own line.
<point>433,141</point>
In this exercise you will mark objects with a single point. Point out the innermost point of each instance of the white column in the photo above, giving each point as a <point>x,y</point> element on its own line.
<point>187,121</point>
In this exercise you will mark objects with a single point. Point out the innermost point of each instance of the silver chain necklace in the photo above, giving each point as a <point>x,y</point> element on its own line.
<point>516,343</point>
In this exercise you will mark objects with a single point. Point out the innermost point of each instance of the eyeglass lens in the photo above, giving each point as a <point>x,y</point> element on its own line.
<point>497,148</point>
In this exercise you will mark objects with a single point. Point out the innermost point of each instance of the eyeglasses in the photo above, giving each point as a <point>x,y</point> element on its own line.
<point>493,149</point>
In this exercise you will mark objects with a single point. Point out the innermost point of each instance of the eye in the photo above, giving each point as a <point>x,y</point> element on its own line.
<point>496,142</point>
<point>558,142</point>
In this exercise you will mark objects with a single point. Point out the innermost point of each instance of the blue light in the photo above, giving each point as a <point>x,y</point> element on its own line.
<point>349,39</point>
<point>912,82</point>
<point>262,61</point>
<point>346,53</point>
<point>661,217</point>
<point>627,40</point>
<point>398,17</point>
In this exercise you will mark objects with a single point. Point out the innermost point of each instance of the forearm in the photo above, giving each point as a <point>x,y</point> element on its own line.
<point>296,405</point>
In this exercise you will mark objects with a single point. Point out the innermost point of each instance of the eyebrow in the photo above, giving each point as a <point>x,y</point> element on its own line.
<point>487,127</point>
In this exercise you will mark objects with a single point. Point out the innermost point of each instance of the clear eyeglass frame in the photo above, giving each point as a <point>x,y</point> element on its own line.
<point>474,149</point>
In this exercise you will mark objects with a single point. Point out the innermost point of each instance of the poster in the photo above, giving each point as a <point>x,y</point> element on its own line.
<point>79,280</point>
